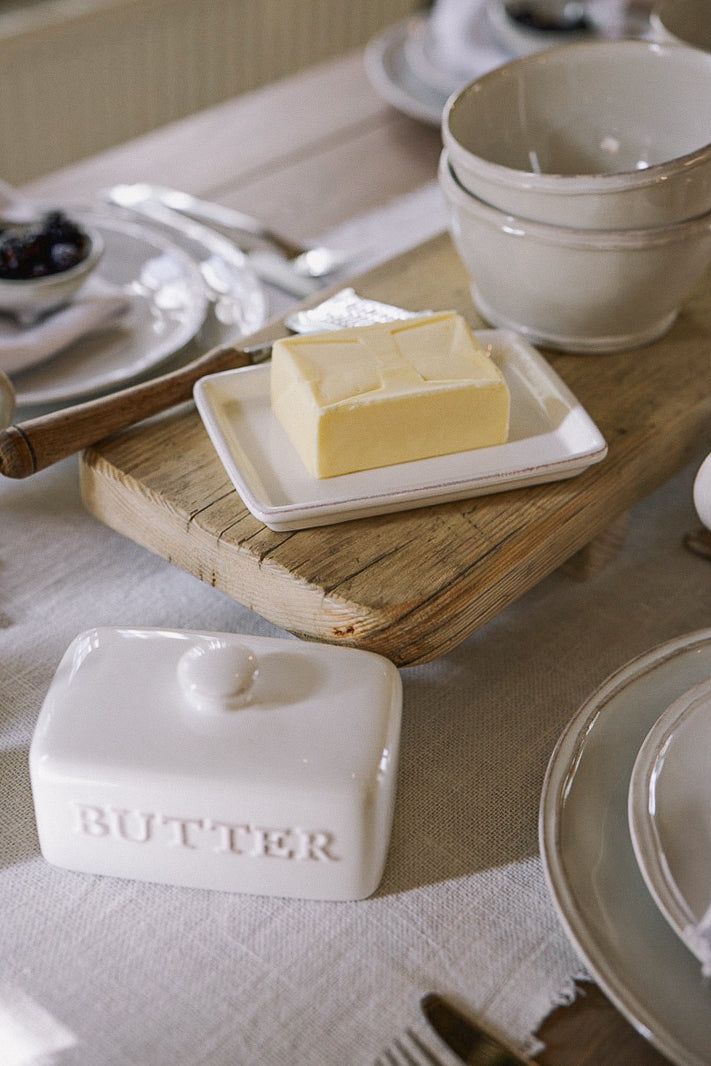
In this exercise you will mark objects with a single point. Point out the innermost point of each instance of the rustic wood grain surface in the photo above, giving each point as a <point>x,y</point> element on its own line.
<point>412,585</point>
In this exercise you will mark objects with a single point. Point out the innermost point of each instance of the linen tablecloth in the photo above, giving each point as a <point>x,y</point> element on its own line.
<point>106,972</point>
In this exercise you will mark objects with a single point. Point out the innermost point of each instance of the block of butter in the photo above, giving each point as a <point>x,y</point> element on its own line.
<point>371,396</point>
<point>219,761</point>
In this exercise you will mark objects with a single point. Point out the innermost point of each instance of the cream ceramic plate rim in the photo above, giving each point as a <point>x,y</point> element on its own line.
<point>269,476</point>
<point>687,717</point>
<point>392,76</point>
<point>424,67</point>
<point>589,863</point>
<point>401,71</point>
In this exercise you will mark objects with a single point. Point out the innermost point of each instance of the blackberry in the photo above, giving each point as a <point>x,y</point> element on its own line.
<point>63,255</point>
<point>50,246</point>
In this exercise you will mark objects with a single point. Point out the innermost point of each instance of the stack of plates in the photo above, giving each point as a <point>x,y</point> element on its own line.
<point>403,68</point>
<point>625,831</point>
<point>173,312</point>
<point>417,63</point>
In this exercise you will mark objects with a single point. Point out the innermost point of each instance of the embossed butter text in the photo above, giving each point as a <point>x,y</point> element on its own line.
<point>233,838</point>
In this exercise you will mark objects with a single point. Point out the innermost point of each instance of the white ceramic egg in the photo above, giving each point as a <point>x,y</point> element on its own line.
<point>702,492</point>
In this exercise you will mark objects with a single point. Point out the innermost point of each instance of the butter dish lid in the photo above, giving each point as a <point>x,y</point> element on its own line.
<point>218,761</point>
<point>188,704</point>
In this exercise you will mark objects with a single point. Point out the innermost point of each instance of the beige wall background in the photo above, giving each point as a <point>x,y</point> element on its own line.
<point>78,76</point>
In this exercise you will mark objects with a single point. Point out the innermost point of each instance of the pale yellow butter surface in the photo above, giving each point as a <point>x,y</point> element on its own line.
<point>371,396</point>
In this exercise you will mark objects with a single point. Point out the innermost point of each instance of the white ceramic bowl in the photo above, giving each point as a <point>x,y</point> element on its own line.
<point>575,289</point>
<point>28,299</point>
<point>682,22</point>
<point>600,135</point>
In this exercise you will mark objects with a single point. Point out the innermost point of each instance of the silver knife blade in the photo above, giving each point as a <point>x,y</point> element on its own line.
<point>466,1038</point>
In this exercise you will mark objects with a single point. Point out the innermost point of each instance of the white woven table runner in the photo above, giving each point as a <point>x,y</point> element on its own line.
<point>104,972</point>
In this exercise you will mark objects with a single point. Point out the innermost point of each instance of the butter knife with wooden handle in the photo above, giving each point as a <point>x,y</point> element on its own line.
<point>472,1044</point>
<point>39,442</point>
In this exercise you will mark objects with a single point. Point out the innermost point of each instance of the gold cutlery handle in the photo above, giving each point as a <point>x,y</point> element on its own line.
<point>464,1036</point>
<point>39,442</point>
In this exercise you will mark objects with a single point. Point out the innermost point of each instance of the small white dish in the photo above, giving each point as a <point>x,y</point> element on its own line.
<point>590,865</point>
<point>168,305</point>
<point>669,812</point>
<point>393,78</point>
<point>30,299</point>
<point>417,49</point>
<point>455,43</point>
<point>406,67</point>
<point>154,331</point>
<point>551,437</point>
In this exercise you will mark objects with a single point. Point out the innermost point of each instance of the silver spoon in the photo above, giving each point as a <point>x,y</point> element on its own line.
<point>317,262</point>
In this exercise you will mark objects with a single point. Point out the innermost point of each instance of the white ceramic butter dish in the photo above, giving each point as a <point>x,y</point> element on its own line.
<point>551,436</point>
<point>210,760</point>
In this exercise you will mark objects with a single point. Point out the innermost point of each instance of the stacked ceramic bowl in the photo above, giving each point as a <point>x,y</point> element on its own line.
<point>578,184</point>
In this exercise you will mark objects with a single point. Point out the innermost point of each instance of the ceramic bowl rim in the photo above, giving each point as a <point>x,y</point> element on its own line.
<point>601,239</point>
<point>583,183</point>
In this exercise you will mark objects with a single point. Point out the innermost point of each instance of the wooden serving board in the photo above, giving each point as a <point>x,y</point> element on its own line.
<point>412,585</point>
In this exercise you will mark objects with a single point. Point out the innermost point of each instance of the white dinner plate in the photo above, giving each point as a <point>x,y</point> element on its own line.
<point>551,437</point>
<point>669,813</point>
<point>238,301</point>
<point>417,53</point>
<point>167,305</point>
<point>403,67</point>
<point>590,865</point>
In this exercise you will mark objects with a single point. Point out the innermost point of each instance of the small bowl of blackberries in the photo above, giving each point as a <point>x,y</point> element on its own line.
<point>44,263</point>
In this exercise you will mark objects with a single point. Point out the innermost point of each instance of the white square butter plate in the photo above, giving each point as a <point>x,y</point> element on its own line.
<point>551,437</point>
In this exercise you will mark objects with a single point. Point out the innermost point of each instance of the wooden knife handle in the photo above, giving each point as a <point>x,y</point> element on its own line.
<point>39,442</point>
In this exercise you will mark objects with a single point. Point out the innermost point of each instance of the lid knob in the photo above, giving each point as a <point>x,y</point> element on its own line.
<point>218,675</point>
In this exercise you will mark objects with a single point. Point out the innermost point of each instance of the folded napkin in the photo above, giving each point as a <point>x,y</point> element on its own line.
<point>97,305</point>
<point>460,40</point>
